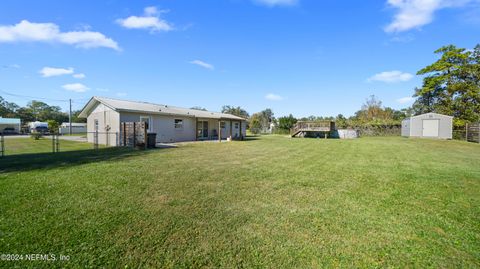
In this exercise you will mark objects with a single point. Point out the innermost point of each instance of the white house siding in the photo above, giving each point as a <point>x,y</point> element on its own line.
<point>164,126</point>
<point>406,127</point>
<point>106,118</point>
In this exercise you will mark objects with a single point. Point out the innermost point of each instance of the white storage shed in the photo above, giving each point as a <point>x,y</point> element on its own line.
<point>429,125</point>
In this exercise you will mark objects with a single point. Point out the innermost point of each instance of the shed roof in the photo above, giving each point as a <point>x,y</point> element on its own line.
<point>432,113</point>
<point>151,108</point>
<point>9,121</point>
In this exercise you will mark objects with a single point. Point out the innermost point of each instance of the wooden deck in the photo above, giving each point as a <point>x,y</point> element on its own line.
<point>303,127</point>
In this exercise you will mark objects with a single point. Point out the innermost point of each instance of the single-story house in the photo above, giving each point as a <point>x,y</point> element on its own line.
<point>77,128</point>
<point>170,123</point>
<point>9,125</point>
<point>430,125</point>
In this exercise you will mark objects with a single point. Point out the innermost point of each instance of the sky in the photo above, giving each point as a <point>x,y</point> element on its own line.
<point>300,57</point>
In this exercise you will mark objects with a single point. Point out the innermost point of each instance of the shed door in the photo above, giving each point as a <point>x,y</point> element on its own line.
<point>430,128</point>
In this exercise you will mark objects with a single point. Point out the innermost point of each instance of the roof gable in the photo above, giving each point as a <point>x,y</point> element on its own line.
<point>432,113</point>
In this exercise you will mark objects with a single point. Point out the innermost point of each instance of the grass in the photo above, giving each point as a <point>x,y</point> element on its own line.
<point>266,202</point>
<point>43,145</point>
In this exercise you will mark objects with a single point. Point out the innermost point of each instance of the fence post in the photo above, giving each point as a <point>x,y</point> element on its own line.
<point>124,134</point>
<point>134,135</point>
<point>2,145</point>
<point>57,143</point>
<point>145,139</point>
<point>466,132</point>
<point>95,140</point>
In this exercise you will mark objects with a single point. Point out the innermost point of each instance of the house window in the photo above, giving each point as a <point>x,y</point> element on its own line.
<point>146,119</point>
<point>178,124</point>
<point>237,125</point>
<point>96,125</point>
<point>222,125</point>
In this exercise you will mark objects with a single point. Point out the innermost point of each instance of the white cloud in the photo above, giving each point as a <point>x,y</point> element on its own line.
<point>272,3</point>
<point>76,87</point>
<point>273,97</point>
<point>405,100</point>
<point>417,13</point>
<point>150,20</point>
<point>121,94</point>
<point>150,11</point>
<point>54,71</point>
<point>79,75</point>
<point>26,31</point>
<point>203,64</point>
<point>391,76</point>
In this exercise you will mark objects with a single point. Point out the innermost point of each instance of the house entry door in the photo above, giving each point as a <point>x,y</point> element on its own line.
<point>202,131</point>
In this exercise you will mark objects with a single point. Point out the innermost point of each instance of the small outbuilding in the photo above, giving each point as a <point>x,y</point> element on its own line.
<point>9,125</point>
<point>429,125</point>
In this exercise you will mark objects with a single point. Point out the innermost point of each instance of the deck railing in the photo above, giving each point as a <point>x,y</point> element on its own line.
<point>311,126</point>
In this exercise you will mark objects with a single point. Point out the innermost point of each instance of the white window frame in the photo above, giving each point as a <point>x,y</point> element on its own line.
<point>178,125</point>
<point>237,125</point>
<point>149,122</point>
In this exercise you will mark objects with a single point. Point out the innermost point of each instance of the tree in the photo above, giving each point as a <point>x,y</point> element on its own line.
<point>77,119</point>
<point>267,116</point>
<point>237,111</point>
<point>43,112</point>
<point>264,118</point>
<point>341,121</point>
<point>7,109</point>
<point>372,110</point>
<point>451,85</point>
<point>25,114</point>
<point>286,123</point>
<point>255,123</point>
<point>53,126</point>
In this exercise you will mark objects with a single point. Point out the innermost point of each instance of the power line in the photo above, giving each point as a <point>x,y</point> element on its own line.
<point>41,98</point>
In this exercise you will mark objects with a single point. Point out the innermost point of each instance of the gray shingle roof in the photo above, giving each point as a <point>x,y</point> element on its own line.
<point>151,108</point>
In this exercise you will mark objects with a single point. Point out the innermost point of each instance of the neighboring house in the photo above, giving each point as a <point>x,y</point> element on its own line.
<point>77,128</point>
<point>9,125</point>
<point>271,127</point>
<point>429,125</point>
<point>171,124</point>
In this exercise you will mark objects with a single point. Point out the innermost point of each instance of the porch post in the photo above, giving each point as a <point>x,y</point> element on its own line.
<point>196,128</point>
<point>241,133</point>
<point>219,131</point>
<point>231,136</point>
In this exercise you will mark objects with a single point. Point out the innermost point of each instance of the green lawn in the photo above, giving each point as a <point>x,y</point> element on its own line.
<point>43,145</point>
<point>267,202</point>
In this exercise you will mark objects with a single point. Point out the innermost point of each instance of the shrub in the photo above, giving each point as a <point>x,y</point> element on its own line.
<point>36,135</point>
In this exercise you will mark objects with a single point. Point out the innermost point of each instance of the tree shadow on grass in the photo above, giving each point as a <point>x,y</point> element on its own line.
<point>33,161</point>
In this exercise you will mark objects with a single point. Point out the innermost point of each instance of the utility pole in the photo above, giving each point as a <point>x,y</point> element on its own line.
<point>70,118</point>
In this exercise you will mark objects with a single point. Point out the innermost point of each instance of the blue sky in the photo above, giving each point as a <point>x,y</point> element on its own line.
<point>305,57</point>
